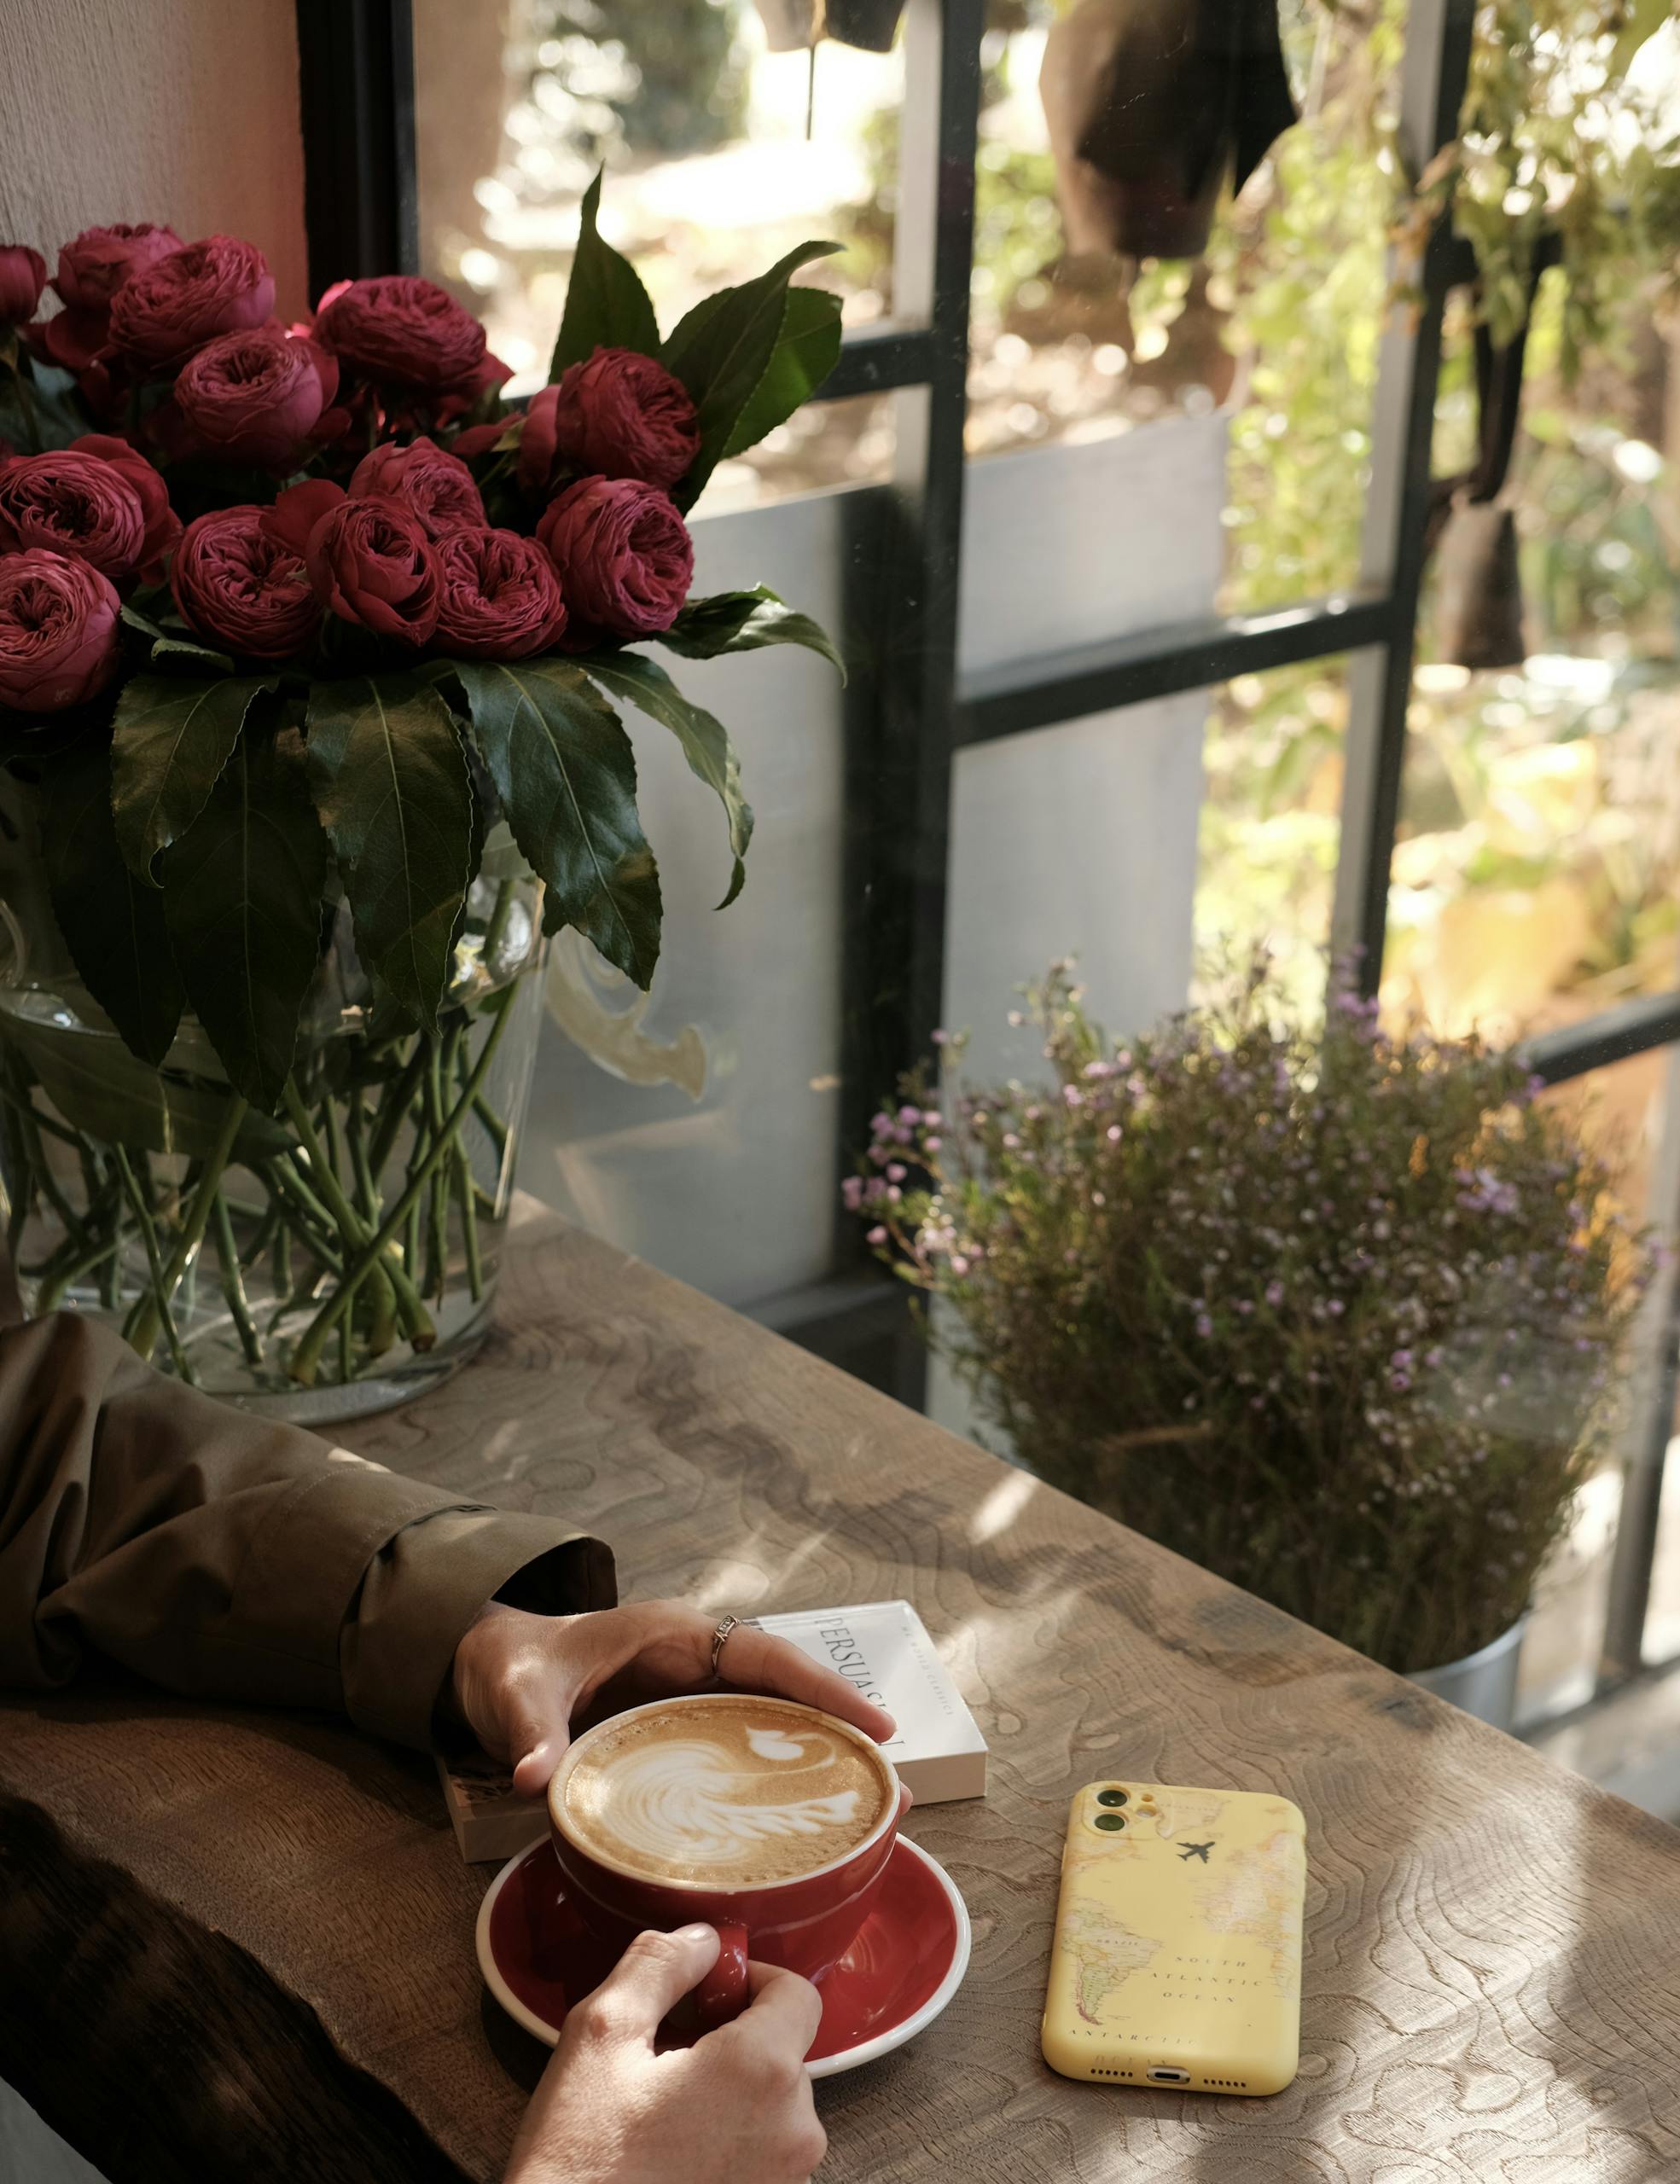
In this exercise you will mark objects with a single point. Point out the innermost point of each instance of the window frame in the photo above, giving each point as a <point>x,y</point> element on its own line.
<point>910,711</point>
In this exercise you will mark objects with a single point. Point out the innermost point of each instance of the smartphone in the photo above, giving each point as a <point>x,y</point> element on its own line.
<point>1178,1951</point>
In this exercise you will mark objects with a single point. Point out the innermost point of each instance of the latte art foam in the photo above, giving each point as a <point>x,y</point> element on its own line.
<point>722,1790</point>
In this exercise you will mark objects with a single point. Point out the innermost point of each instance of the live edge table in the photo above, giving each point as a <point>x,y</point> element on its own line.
<point>238,1945</point>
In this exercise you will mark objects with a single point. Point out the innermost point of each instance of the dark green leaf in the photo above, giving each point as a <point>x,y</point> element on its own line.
<point>566,774</point>
<point>742,621</point>
<point>243,892</point>
<point>606,306</point>
<point>181,656</point>
<point>806,352</point>
<point>704,741</point>
<point>170,741</point>
<point>134,619</point>
<point>391,784</point>
<point>721,351</point>
<point>113,923</point>
<point>99,1087</point>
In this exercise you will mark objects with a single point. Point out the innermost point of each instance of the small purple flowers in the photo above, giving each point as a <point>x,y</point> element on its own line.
<point>1333,1309</point>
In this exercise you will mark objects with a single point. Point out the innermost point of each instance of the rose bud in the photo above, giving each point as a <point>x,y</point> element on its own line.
<point>23,275</point>
<point>235,584</point>
<point>90,270</point>
<point>61,632</point>
<point>624,556</point>
<point>113,514</point>
<point>618,415</point>
<point>299,512</point>
<point>254,397</point>
<point>489,373</point>
<point>165,311</point>
<point>370,562</point>
<point>435,487</point>
<point>499,597</point>
<point>401,331</point>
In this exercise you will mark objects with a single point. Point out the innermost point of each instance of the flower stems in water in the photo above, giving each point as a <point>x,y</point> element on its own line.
<point>305,1363</point>
<point>371,1208</point>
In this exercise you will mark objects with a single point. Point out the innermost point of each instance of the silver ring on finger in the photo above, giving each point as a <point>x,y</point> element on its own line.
<point>720,1638</point>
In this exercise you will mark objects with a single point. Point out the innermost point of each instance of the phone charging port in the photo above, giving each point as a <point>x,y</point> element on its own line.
<point>1164,2074</point>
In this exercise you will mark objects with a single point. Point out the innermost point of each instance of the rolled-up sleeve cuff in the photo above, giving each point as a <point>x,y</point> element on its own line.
<point>425,1586</point>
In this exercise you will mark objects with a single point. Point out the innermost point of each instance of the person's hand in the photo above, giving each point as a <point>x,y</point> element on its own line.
<point>520,1679</point>
<point>735,2108</point>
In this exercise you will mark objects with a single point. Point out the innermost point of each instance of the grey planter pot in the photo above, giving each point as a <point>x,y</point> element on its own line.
<point>1483,1684</point>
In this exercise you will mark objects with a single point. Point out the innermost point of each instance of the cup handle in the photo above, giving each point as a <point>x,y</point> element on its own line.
<point>721,1996</point>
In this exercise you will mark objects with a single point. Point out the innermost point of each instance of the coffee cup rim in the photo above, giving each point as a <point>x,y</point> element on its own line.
<point>887,1822</point>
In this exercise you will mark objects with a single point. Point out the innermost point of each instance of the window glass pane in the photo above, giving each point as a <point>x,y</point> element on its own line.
<point>713,176</point>
<point>1537,877</point>
<point>1275,324</point>
<point>1619,1111</point>
<point>1271,819</point>
<point>717,1160</point>
<point>1662,1620</point>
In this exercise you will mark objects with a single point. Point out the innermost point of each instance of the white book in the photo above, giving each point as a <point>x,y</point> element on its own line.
<point>884,1648</point>
<point>881,1647</point>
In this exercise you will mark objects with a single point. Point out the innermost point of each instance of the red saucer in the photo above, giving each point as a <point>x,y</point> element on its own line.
<point>904,1966</point>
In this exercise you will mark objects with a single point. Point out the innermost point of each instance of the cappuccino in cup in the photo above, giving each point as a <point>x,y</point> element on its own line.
<point>724,1791</point>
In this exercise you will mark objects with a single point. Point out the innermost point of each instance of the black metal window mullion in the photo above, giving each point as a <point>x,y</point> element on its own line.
<point>356,96</point>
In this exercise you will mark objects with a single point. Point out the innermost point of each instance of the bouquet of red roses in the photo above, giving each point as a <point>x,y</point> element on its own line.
<point>315,572</point>
<point>305,639</point>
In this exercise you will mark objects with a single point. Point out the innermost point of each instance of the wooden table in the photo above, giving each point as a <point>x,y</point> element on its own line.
<point>238,1945</point>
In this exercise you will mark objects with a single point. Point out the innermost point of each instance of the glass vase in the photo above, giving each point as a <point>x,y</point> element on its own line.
<point>317,1265</point>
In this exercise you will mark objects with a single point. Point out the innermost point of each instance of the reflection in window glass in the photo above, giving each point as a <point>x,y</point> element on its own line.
<point>712,177</point>
<point>1277,324</point>
<point>1271,821</point>
<point>1619,1111</point>
<point>1538,874</point>
<point>1662,1621</point>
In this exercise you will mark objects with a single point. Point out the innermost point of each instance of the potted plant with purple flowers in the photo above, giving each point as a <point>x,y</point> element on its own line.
<point>1331,1311</point>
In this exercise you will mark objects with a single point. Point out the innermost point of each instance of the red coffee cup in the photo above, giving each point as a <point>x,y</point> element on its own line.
<point>802,1925</point>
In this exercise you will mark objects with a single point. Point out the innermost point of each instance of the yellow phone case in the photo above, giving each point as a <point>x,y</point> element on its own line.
<point>1178,1951</point>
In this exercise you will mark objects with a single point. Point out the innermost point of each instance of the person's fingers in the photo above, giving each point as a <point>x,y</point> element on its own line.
<point>782,2015</point>
<point>648,1982</point>
<point>556,1661</point>
<point>536,1709</point>
<point>756,1660</point>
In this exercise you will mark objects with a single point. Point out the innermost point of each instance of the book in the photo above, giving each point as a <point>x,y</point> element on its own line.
<point>881,1645</point>
<point>884,1648</point>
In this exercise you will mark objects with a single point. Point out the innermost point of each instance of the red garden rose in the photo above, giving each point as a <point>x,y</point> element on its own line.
<point>97,500</point>
<point>370,562</point>
<point>90,270</point>
<point>60,631</point>
<point>23,275</point>
<point>624,556</point>
<point>403,332</point>
<point>435,487</point>
<point>165,311</point>
<point>617,413</point>
<point>499,597</point>
<point>255,397</point>
<point>163,525</point>
<point>235,584</point>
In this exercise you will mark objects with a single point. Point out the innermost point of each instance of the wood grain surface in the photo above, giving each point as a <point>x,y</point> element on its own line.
<point>240,1945</point>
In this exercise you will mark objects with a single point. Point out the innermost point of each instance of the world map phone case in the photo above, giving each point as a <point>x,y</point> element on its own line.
<point>1178,1951</point>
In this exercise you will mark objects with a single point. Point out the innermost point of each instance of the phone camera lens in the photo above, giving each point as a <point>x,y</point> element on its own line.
<point>1110,1822</point>
<point>1111,1796</point>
